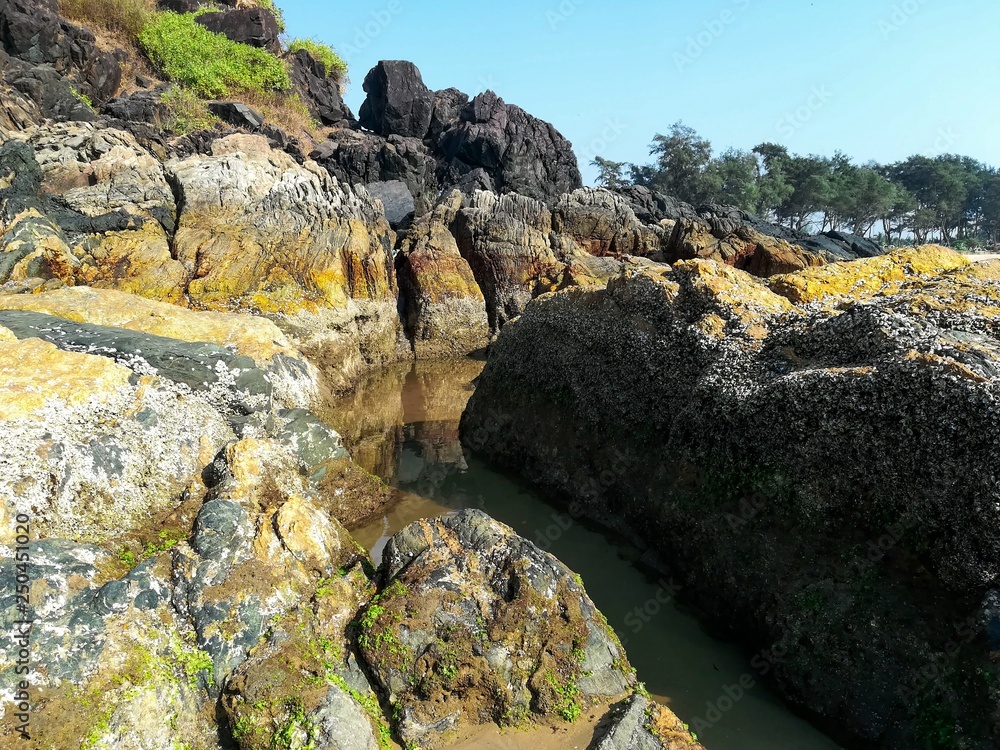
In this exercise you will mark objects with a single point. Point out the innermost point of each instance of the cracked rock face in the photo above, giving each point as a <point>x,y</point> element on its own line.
<point>833,430</point>
<point>444,308</point>
<point>474,624</point>
<point>86,205</point>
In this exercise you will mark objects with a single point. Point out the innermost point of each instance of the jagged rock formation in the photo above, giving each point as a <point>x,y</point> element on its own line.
<point>363,158</point>
<point>398,102</point>
<point>512,635</point>
<point>737,238</point>
<point>90,206</point>
<point>520,153</point>
<point>444,311</point>
<point>318,91</point>
<point>51,62</point>
<point>830,432</point>
<point>256,27</point>
<point>257,231</point>
<point>602,223</point>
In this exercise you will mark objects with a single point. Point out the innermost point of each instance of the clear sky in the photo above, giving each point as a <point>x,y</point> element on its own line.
<point>877,79</point>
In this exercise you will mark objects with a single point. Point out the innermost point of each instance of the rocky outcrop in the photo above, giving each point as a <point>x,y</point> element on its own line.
<point>362,158</point>
<point>640,724</point>
<point>259,232</point>
<point>320,93</point>
<point>512,635</point>
<point>505,239</point>
<point>820,472</point>
<point>737,245</point>
<point>738,238</point>
<point>602,223</point>
<point>86,205</point>
<point>137,654</point>
<point>255,27</point>
<point>54,55</point>
<point>521,153</point>
<point>433,141</point>
<point>398,102</point>
<point>443,309</point>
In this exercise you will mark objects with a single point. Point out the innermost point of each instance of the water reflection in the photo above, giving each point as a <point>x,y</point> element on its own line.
<point>403,425</point>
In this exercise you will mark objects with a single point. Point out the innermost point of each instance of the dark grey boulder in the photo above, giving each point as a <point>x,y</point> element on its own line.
<point>256,27</point>
<point>363,158</point>
<point>311,440</point>
<point>139,106</point>
<point>238,114</point>
<point>860,246</point>
<point>398,102</point>
<point>397,199</point>
<point>179,6</point>
<point>521,153</point>
<point>319,92</point>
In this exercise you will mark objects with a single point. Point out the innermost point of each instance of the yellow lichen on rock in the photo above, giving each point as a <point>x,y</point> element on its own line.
<point>253,337</point>
<point>34,373</point>
<point>134,261</point>
<point>868,277</point>
<point>736,292</point>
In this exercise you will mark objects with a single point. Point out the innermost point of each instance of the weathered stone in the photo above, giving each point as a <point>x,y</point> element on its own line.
<point>259,232</point>
<point>860,280</point>
<point>293,378</point>
<point>107,201</point>
<point>602,223</point>
<point>474,624</point>
<point>857,428</point>
<point>260,543</point>
<point>521,153</point>
<point>396,198</point>
<point>640,724</point>
<point>443,308</point>
<point>33,32</point>
<point>318,91</point>
<point>363,158</point>
<point>398,102</point>
<point>153,442</point>
<point>254,26</point>
<point>232,383</point>
<point>505,239</point>
<point>238,114</point>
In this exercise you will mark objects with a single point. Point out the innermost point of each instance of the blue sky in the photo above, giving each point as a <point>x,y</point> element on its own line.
<point>878,79</point>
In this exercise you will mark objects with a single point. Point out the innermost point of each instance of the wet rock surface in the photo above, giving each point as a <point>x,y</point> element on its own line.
<point>473,624</point>
<point>838,446</point>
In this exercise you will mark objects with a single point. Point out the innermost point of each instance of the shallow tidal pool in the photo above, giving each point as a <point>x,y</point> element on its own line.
<point>402,424</point>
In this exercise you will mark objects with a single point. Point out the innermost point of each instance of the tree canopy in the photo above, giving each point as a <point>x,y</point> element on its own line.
<point>947,198</point>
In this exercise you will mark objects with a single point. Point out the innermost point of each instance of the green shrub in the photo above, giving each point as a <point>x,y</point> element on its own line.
<point>211,65</point>
<point>335,65</point>
<point>127,17</point>
<point>187,111</point>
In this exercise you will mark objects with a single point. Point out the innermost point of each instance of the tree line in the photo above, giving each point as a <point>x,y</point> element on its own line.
<point>950,199</point>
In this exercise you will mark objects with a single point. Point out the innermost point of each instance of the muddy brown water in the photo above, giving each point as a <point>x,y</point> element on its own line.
<point>402,424</point>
